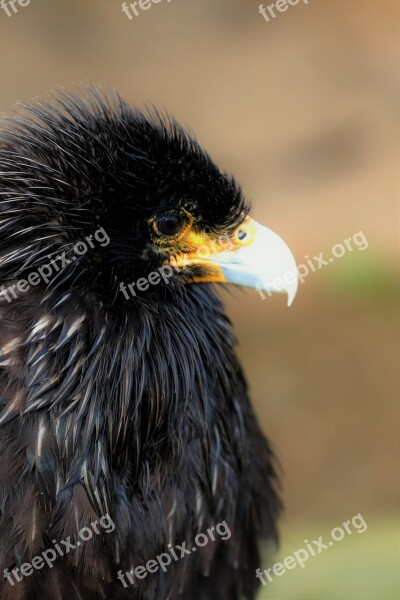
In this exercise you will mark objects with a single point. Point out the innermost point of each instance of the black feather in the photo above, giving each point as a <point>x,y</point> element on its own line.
<point>137,408</point>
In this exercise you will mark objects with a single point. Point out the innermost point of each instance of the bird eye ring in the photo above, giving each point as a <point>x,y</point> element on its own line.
<point>170,224</point>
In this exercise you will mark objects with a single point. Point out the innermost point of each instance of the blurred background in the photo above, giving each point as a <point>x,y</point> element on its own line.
<point>304,110</point>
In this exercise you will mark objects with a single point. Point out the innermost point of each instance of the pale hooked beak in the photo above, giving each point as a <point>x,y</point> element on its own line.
<point>257,258</point>
<point>265,263</point>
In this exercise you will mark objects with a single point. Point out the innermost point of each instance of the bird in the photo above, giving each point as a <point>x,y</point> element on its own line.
<point>122,400</point>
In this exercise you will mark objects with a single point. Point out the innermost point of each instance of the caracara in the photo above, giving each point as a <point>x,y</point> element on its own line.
<point>122,401</point>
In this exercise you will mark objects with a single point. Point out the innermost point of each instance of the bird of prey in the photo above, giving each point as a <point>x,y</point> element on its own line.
<point>121,396</point>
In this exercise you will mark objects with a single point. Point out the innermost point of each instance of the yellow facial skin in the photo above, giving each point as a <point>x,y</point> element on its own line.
<point>205,246</point>
<point>251,256</point>
<point>191,247</point>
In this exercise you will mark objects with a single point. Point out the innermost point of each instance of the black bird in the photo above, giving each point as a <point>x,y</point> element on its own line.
<point>122,402</point>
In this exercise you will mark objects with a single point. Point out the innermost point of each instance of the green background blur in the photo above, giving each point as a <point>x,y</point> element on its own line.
<point>304,110</point>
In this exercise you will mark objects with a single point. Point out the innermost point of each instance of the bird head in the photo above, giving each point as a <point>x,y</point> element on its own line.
<point>82,166</point>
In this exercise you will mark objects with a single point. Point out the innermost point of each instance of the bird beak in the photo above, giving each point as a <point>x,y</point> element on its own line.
<point>256,258</point>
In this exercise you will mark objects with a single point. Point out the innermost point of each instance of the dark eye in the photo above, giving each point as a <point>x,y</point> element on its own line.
<point>170,224</point>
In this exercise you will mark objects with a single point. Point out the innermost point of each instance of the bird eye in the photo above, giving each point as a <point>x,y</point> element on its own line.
<point>242,234</point>
<point>170,224</point>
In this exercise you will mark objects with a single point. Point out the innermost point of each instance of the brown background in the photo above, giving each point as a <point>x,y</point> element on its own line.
<point>304,111</point>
